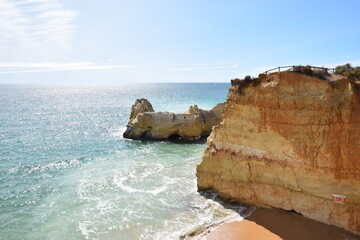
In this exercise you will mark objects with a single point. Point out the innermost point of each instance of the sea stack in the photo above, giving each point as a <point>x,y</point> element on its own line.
<point>146,124</point>
<point>289,141</point>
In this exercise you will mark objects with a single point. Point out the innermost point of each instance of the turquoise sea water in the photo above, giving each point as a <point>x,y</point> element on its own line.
<point>67,173</point>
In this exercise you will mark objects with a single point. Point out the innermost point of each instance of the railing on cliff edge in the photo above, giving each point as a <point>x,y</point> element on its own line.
<point>291,68</point>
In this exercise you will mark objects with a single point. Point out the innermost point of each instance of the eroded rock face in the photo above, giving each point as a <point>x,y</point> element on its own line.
<point>289,141</point>
<point>140,106</point>
<point>189,126</point>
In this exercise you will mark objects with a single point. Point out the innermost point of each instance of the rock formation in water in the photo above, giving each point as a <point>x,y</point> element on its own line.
<point>289,141</point>
<point>140,106</point>
<point>189,126</point>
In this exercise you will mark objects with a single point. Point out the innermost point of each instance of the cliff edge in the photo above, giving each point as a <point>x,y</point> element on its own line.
<point>289,141</point>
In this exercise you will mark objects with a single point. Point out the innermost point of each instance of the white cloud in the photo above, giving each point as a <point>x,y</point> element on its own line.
<point>20,67</point>
<point>34,30</point>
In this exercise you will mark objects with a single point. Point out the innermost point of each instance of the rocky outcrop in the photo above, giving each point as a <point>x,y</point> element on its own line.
<point>141,105</point>
<point>189,126</point>
<point>289,141</point>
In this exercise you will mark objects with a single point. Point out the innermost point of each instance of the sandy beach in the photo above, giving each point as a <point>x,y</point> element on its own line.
<point>245,230</point>
<point>274,224</point>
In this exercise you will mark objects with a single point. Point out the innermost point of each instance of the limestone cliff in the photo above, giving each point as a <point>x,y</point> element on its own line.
<point>189,126</point>
<point>289,141</point>
<point>140,106</point>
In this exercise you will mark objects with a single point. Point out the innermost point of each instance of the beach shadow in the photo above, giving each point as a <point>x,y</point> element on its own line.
<point>288,225</point>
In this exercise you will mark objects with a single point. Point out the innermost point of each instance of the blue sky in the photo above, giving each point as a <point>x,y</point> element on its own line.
<point>116,41</point>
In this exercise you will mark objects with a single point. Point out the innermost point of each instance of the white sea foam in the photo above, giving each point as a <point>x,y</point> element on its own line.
<point>53,165</point>
<point>119,132</point>
<point>120,183</point>
<point>13,170</point>
<point>83,227</point>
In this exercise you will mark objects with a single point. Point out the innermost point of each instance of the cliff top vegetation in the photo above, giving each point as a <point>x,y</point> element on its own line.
<point>353,73</point>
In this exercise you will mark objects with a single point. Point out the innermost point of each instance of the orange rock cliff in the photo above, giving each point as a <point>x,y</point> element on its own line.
<point>289,141</point>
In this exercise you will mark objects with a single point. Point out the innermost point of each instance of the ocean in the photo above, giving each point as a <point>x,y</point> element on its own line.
<point>66,172</point>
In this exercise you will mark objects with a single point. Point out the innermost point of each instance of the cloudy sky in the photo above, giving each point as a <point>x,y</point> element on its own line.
<point>116,41</point>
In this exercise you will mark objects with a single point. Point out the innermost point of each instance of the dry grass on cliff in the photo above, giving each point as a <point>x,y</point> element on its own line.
<point>351,73</point>
<point>322,74</point>
<point>240,84</point>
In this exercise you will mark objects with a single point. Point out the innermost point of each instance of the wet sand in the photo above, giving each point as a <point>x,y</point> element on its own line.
<point>274,224</point>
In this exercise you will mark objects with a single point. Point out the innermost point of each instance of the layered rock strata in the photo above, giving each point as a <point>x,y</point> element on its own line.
<point>289,141</point>
<point>145,123</point>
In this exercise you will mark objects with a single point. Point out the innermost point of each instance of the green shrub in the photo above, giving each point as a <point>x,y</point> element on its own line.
<point>248,79</point>
<point>242,83</point>
<point>343,69</point>
<point>303,69</point>
<point>321,73</point>
<point>307,70</point>
<point>353,73</point>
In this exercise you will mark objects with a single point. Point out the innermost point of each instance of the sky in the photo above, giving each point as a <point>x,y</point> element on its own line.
<point>118,41</point>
